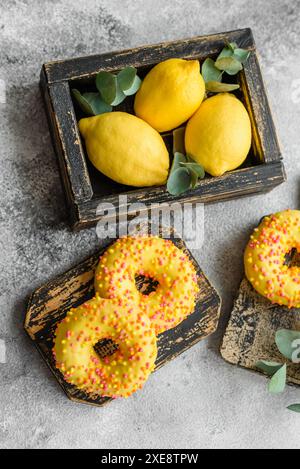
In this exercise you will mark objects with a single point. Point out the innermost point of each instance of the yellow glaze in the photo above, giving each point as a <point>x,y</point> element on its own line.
<point>117,375</point>
<point>157,258</point>
<point>265,257</point>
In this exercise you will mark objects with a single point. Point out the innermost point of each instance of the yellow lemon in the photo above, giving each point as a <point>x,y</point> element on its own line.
<point>170,93</point>
<point>126,149</point>
<point>218,135</point>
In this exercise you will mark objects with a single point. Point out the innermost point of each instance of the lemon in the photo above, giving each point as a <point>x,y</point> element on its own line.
<point>170,93</point>
<point>126,149</point>
<point>218,135</point>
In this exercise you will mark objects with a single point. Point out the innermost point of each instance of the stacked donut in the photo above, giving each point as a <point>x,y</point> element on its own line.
<point>131,319</point>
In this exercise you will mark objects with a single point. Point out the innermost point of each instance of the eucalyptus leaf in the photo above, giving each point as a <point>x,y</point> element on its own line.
<point>241,54</point>
<point>83,103</point>
<point>91,103</point>
<point>288,343</point>
<point>232,46</point>
<point>278,381</point>
<point>178,140</point>
<point>268,367</point>
<point>230,65</point>
<point>177,160</point>
<point>179,181</point>
<point>107,85</point>
<point>294,408</point>
<point>216,87</point>
<point>134,88</point>
<point>194,178</point>
<point>195,167</point>
<point>209,72</point>
<point>126,78</point>
<point>120,96</point>
<point>227,51</point>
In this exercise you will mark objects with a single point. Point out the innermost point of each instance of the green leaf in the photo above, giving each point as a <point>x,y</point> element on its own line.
<point>232,46</point>
<point>227,51</point>
<point>91,103</point>
<point>230,65</point>
<point>268,367</point>
<point>210,72</point>
<point>278,381</point>
<point>195,167</point>
<point>216,87</point>
<point>128,81</point>
<point>179,181</point>
<point>194,178</point>
<point>107,85</point>
<point>83,103</point>
<point>294,408</point>
<point>178,140</point>
<point>120,96</point>
<point>241,55</point>
<point>177,160</point>
<point>134,88</point>
<point>288,343</point>
<point>126,78</point>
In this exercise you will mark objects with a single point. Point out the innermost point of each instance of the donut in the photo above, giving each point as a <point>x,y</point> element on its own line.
<point>157,258</point>
<point>116,375</point>
<point>265,258</point>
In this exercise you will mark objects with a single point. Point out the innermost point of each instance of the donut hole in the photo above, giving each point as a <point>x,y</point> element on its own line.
<point>146,284</point>
<point>105,348</point>
<point>292,258</point>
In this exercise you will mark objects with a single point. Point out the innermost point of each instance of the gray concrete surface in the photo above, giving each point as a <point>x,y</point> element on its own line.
<point>197,401</point>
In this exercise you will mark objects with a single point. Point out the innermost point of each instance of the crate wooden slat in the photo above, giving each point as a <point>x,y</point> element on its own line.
<point>243,182</point>
<point>196,47</point>
<point>49,304</point>
<point>250,333</point>
<point>85,188</point>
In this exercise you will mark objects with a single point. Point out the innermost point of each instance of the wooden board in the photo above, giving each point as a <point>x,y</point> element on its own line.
<point>250,333</point>
<point>49,304</point>
<point>86,188</point>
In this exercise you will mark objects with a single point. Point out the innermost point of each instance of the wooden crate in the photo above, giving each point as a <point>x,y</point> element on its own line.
<point>86,188</point>
<point>49,304</point>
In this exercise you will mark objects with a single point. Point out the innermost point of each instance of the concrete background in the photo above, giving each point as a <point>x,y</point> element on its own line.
<point>197,401</point>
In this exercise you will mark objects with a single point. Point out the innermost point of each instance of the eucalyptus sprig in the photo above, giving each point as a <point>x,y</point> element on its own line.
<point>230,60</point>
<point>287,342</point>
<point>112,90</point>
<point>185,172</point>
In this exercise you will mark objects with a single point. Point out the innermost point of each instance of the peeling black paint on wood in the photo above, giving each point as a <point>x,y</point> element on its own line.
<point>49,304</point>
<point>250,333</point>
<point>262,171</point>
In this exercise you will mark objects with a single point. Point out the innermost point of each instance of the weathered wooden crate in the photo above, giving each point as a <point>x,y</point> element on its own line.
<point>49,304</point>
<point>86,188</point>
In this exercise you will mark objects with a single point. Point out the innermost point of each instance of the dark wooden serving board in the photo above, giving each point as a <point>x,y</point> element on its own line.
<point>250,333</point>
<point>86,188</point>
<point>50,303</point>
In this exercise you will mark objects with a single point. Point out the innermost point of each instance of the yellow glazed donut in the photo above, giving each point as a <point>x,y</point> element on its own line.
<point>157,258</point>
<point>265,255</point>
<point>119,374</point>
